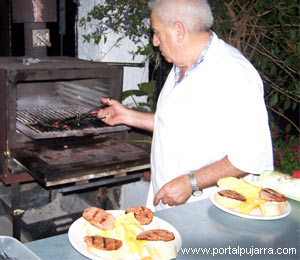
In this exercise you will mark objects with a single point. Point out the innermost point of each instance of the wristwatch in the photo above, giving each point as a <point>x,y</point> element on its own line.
<point>196,190</point>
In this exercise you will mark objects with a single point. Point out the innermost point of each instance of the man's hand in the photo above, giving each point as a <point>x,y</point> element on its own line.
<point>117,114</point>
<point>179,190</point>
<point>175,192</point>
<point>114,114</point>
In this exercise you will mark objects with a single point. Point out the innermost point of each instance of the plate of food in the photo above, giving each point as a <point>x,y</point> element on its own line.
<point>247,200</point>
<point>134,233</point>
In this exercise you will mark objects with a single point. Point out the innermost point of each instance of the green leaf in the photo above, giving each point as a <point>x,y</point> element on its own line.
<point>294,106</point>
<point>274,100</point>
<point>145,104</point>
<point>148,87</point>
<point>273,70</point>
<point>286,62</point>
<point>82,22</point>
<point>87,38</point>
<point>132,92</point>
<point>287,104</point>
<point>97,39</point>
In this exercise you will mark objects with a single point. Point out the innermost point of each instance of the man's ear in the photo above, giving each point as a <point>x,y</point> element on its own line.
<point>179,30</point>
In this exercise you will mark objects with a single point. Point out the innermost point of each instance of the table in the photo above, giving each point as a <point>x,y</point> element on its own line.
<point>208,233</point>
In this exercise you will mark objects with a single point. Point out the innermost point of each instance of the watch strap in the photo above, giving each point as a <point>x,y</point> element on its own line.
<point>196,190</point>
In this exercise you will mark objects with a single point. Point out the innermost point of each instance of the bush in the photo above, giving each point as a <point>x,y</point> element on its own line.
<point>267,33</point>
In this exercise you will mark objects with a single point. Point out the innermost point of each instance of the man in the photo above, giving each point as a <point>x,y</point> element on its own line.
<point>211,120</point>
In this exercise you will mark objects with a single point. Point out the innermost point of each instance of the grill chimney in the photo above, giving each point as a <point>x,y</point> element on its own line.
<point>35,14</point>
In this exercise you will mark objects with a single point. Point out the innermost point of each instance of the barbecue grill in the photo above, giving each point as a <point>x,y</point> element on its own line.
<point>89,154</point>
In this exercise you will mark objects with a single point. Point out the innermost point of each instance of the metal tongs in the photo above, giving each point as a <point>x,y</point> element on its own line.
<point>80,116</point>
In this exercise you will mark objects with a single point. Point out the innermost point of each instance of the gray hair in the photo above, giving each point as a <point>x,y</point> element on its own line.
<point>196,15</point>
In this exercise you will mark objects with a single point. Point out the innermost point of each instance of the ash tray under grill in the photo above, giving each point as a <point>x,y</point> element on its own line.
<point>33,123</point>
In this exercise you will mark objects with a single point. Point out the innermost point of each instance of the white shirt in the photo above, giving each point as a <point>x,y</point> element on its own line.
<point>217,110</point>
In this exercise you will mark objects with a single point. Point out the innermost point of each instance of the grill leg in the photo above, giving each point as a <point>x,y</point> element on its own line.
<point>102,197</point>
<point>50,197</point>
<point>15,204</point>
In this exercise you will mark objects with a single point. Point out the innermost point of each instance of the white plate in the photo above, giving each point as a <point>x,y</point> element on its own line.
<point>285,212</point>
<point>76,235</point>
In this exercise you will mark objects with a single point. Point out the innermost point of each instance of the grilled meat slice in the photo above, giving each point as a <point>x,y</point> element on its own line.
<point>271,195</point>
<point>61,126</point>
<point>142,214</point>
<point>103,243</point>
<point>156,235</point>
<point>232,195</point>
<point>99,218</point>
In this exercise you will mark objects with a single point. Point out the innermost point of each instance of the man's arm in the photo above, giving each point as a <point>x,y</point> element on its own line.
<point>179,190</point>
<point>116,114</point>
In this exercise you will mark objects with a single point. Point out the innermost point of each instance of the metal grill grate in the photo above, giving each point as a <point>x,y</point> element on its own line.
<point>36,123</point>
<point>47,115</point>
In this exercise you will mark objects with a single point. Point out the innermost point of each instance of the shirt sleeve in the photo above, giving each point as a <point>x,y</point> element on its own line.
<point>249,143</point>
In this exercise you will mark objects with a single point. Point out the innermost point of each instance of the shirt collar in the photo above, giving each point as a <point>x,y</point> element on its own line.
<point>177,70</point>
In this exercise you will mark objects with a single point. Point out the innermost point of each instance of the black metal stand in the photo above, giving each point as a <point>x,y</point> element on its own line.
<point>15,204</point>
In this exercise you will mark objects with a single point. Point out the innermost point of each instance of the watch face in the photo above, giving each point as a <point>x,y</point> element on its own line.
<point>197,192</point>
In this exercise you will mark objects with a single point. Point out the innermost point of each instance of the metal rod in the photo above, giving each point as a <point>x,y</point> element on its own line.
<point>15,204</point>
<point>61,45</point>
<point>102,182</point>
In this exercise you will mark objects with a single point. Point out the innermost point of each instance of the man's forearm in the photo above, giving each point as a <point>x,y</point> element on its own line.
<point>140,120</point>
<point>209,175</point>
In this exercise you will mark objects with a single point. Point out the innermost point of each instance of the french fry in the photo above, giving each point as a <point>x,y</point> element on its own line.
<point>249,206</point>
<point>126,227</point>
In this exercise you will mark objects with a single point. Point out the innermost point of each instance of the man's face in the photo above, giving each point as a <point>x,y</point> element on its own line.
<point>163,38</point>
